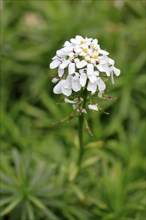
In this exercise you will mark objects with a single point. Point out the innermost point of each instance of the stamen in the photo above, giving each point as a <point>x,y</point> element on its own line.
<point>85,50</point>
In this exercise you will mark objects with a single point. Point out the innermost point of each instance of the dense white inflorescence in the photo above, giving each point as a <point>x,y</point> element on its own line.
<point>81,65</point>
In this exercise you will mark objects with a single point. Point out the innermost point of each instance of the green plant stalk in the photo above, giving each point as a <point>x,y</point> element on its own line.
<point>81,126</point>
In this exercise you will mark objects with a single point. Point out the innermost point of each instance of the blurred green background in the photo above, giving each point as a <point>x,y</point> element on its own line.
<point>38,157</point>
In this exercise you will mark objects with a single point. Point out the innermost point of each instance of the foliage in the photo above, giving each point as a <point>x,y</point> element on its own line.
<point>38,138</point>
<point>26,193</point>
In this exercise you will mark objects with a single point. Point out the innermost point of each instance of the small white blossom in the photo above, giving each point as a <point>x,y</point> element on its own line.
<point>69,101</point>
<point>55,80</point>
<point>93,107</point>
<point>82,64</point>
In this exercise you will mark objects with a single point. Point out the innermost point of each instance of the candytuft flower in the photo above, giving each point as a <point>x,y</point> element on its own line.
<point>82,65</point>
<point>93,107</point>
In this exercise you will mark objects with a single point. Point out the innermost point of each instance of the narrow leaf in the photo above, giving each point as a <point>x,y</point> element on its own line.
<point>10,207</point>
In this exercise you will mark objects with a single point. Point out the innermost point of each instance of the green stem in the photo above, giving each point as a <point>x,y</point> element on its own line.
<point>81,125</point>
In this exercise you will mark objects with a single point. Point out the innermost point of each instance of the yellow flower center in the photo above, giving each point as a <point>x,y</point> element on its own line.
<point>95,56</point>
<point>85,50</point>
<point>82,41</point>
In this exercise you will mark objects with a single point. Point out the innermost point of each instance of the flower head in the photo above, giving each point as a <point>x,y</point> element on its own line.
<point>82,65</point>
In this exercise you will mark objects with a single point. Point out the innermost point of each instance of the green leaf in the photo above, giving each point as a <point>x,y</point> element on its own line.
<point>95,144</point>
<point>30,210</point>
<point>41,206</point>
<point>90,161</point>
<point>7,179</point>
<point>17,162</point>
<point>4,188</point>
<point>33,111</point>
<point>5,200</point>
<point>49,104</point>
<point>73,172</point>
<point>11,206</point>
<point>78,192</point>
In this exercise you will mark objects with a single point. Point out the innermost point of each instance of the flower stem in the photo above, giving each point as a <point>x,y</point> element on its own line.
<point>81,125</point>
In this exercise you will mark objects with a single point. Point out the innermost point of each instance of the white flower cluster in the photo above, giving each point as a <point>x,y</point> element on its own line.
<point>80,63</point>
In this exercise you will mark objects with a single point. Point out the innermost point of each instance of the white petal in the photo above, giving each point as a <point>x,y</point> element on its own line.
<point>84,111</point>
<point>112,78</point>
<point>78,50</point>
<point>76,84</point>
<point>67,44</point>
<point>93,107</point>
<point>87,57</point>
<point>81,71</point>
<point>77,74</point>
<point>96,73</point>
<point>64,64</point>
<point>111,61</point>
<point>95,41</point>
<point>71,68</point>
<point>92,78</point>
<point>90,69</point>
<point>55,80</point>
<point>81,64</point>
<point>57,88</point>
<point>116,71</point>
<point>92,60</point>
<point>82,54</point>
<point>74,41</point>
<point>69,101</point>
<point>60,53</point>
<point>68,82</point>
<point>71,54</point>
<point>101,68</point>
<point>92,87</point>
<point>60,72</point>
<point>79,38</point>
<point>75,106</point>
<point>101,84</point>
<point>67,50</point>
<point>104,68</point>
<point>83,79</point>
<point>65,88</point>
<point>88,39</point>
<point>103,60</point>
<point>89,51</point>
<point>100,94</point>
<point>54,64</point>
<point>76,60</point>
<point>103,52</point>
<point>55,58</point>
<point>66,92</point>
